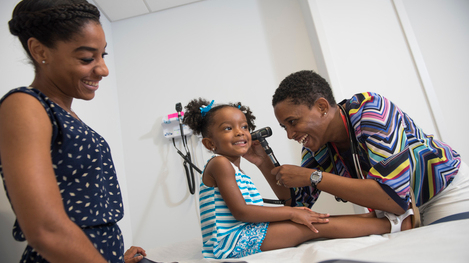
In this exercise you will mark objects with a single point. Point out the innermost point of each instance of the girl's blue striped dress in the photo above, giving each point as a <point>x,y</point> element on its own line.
<point>220,230</point>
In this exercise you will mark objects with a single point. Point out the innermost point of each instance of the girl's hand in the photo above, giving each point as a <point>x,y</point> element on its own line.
<point>306,216</point>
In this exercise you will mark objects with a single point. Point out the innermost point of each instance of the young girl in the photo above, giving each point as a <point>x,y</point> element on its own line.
<point>234,221</point>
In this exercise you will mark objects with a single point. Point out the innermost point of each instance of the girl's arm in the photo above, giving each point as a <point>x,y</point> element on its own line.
<point>224,175</point>
<point>25,137</point>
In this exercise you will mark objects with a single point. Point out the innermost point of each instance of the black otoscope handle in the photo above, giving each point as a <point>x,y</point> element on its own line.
<point>271,155</point>
<point>269,151</point>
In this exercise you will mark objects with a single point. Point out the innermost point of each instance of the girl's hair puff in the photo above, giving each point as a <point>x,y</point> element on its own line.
<point>200,124</point>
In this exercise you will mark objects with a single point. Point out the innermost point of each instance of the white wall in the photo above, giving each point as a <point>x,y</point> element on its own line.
<point>102,114</point>
<point>440,28</point>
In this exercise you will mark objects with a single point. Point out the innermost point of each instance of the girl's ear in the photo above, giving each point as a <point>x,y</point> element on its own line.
<point>209,144</point>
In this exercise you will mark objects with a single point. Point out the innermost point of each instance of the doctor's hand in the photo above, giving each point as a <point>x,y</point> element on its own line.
<point>130,256</point>
<point>306,216</point>
<point>292,175</point>
<point>256,154</point>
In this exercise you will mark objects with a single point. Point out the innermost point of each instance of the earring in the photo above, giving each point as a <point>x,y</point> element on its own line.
<point>43,62</point>
<point>325,113</point>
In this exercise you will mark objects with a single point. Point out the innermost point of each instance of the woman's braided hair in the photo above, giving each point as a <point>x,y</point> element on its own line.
<point>50,20</point>
<point>200,124</point>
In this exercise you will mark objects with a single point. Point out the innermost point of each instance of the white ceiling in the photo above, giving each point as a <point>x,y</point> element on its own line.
<point>120,9</point>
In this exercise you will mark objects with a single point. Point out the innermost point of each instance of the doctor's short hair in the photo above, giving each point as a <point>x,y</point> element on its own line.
<point>303,87</point>
<point>200,124</point>
<point>50,21</point>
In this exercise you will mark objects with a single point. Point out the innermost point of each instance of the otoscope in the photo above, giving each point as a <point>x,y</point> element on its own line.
<point>260,135</point>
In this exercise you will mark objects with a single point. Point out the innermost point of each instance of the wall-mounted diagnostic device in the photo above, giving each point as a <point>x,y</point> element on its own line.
<point>171,127</point>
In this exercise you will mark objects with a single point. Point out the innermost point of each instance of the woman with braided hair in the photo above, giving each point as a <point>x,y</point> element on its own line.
<point>58,172</point>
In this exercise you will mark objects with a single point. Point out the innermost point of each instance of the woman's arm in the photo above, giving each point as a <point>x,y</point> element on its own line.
<point>258,157</point>
<point>364,192</point>
<point>223,173</point>
<point>25,137</point>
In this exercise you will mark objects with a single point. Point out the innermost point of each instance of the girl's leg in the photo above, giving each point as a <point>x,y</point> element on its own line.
<point>288,234</point>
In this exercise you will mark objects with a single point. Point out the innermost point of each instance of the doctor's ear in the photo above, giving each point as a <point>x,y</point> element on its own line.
<point>209,144</point>
<point>323,105</point>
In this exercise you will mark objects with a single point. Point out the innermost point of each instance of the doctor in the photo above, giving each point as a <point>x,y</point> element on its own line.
<point>364,150</point>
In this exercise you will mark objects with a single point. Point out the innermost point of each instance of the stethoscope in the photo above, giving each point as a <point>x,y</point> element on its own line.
<point>353,148</point>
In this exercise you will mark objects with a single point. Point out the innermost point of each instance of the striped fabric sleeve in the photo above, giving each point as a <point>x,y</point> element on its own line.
<point>380,130</point>
<point>400,154</point>
<point>306,196</point>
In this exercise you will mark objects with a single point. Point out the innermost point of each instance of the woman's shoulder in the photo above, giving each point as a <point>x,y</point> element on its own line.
<point>24,89</point>
<point>25,116</point>
<point>366,101</point>
<point>364,97</point>
<point>26,94</point>
<point>22,96</point>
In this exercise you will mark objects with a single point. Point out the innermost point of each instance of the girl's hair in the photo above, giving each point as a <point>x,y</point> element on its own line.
<point>303,87</point>
<point>200,124</point>
<point>50,21</point>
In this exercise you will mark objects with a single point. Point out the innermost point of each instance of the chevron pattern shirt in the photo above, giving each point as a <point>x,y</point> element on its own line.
<point>392,150</point>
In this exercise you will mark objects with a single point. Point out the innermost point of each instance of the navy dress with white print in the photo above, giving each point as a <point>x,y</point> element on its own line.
<point>86,178</point>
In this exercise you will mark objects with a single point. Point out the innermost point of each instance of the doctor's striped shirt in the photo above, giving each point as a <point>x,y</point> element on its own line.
<point>220,230</point>
<point>392,150</point>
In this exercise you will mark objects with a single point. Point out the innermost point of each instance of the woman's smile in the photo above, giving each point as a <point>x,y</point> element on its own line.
<point>93,85</point>
<point>303,139</point>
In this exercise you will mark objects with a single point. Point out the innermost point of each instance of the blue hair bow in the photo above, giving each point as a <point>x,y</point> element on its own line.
<point>205,109</point>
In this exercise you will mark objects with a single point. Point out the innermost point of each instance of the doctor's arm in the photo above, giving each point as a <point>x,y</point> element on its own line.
<point>258,157</point>
<point>364,192</point>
